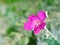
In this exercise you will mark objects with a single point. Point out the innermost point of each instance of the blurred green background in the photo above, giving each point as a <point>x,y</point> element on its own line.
<point>13,14</point>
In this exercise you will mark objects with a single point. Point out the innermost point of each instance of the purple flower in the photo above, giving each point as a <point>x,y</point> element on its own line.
<point>36,22</point>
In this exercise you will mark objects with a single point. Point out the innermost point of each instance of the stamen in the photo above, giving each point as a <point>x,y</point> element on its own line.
<point>36,23</point>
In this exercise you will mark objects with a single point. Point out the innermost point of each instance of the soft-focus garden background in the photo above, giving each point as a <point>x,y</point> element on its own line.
<point>13,13</point>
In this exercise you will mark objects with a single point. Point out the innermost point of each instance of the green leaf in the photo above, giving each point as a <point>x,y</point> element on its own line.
<point>10,31</point>
<point>51,42</point>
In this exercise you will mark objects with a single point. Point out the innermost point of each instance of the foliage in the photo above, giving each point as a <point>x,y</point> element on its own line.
<point>13,14</point>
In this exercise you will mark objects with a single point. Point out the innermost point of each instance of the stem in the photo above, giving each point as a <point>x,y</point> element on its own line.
<point>50,33</point>
<point>32,39</point>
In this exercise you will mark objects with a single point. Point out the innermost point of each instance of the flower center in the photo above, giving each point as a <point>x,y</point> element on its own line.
<point>36,23</point>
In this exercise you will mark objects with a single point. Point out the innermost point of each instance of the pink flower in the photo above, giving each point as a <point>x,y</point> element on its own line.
<point>36,22</point>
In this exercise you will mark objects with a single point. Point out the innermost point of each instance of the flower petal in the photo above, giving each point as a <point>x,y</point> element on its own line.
<point>28,26</point>
<point>39,28</point>
<point>32,17</point>
<point>42,25</point>
<point>36,31</point>
<point>41,15</point>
